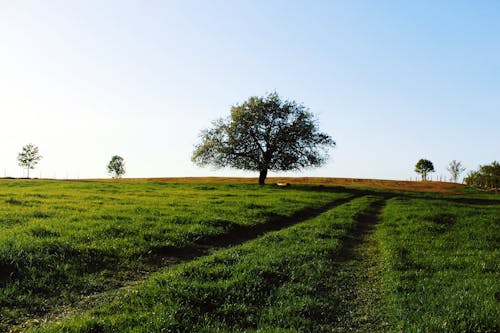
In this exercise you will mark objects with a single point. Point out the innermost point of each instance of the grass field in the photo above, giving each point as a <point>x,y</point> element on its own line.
<point>443,264</point>
<point>134,255</point>
<point>376,184</point>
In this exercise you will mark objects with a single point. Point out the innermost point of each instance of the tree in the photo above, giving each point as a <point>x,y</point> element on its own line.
<point>29,157</point>
<point>491,175</point>
<point>262,134</point>
<point>455,168</point>
<point>488,176</point>
<point>423,167</point>
<point>472,178</point>
<point>116,167</point>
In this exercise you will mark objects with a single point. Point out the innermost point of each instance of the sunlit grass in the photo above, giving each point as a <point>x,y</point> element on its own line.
<point>277,282</point>
<point>68,247</point>
<point>443,265</point>
<point>60,240</point>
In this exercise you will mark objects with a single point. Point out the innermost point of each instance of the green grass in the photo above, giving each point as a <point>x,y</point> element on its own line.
<point>442,264</point>
<point>61,240</point>
<point>279,282</point>
<point>152,256</point>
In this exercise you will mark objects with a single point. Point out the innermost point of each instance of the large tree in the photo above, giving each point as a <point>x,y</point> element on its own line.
<point>262,134</point>
<point>423,167</point>
<point>29,157</point>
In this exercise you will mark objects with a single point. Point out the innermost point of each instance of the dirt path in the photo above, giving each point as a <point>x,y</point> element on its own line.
<point>357,278</point>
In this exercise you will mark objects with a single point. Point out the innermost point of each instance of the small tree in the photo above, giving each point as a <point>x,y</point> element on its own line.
<point>116,167</point>
<point>264,133</point>
<point>423,167</point>
<point>455,168</point>
<point>29,157</point>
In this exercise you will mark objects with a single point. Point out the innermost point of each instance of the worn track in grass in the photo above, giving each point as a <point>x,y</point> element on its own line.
<point>169,256</point>
<point>240,234</point>
<point>358,278</point>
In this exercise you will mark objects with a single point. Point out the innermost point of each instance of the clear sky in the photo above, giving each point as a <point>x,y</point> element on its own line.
<point>391,81</point>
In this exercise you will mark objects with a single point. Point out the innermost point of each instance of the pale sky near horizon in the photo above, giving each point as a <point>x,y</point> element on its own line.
<point>390,81</point>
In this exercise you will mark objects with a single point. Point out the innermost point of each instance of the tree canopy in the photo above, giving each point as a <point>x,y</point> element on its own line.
<point>116,167</point>
<point>264,133</point>
<point>29,157</point>
<point>488,176</point>
<point>424,167</point>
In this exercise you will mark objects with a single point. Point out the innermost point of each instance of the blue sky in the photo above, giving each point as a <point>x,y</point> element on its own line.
<point>391,81</point>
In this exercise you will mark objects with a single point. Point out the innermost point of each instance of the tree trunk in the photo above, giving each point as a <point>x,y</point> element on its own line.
<point>262,176</point>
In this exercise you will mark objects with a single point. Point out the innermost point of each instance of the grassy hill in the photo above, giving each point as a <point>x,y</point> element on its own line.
<point>224,254</point>
<point>382,184</point>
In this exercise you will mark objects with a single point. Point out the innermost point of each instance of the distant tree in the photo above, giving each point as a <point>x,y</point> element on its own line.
<point>491,173</point>
<point>487,177</point>
<point>262,134</point>
<point>424,167</point>
<point>29,157</point>
<point>455,168</point>
<point>472,178</point>
<point>116,167</point>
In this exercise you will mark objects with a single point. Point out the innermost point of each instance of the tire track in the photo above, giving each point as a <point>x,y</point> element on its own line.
<point>356,281</point>
<point>240,234</point>
<point>165,257</point>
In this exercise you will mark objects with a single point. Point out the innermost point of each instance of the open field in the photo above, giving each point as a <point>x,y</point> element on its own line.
<point>396,185</point>
<point>276,281</point>
<point>139,255</point>
<point>60,240</point>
